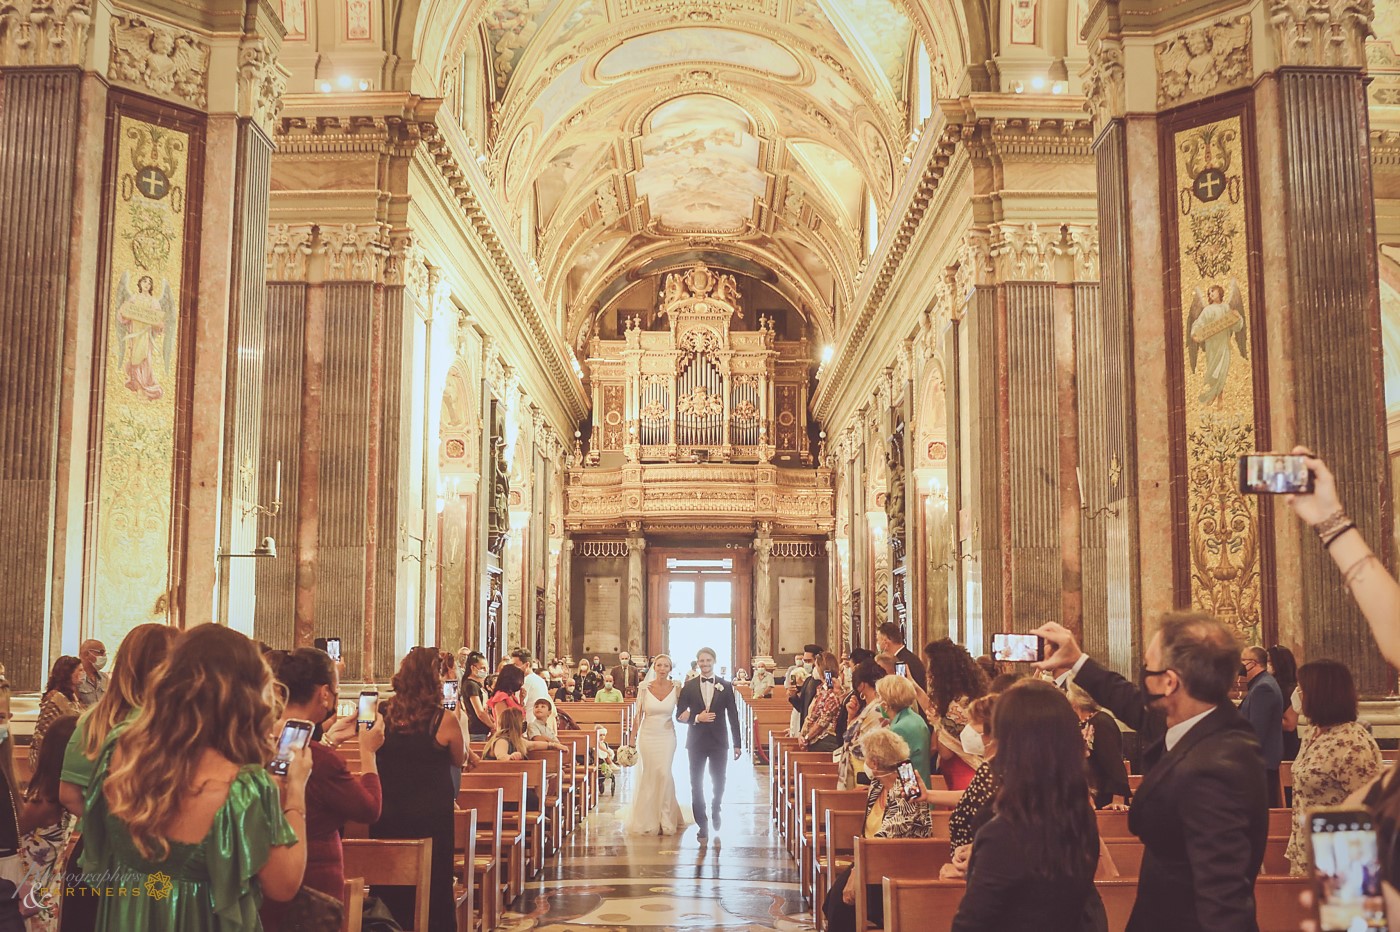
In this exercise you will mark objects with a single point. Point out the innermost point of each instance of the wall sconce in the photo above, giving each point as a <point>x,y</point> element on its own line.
<point>265,550</point>
<point>276,508</point>
<point>937,492</point>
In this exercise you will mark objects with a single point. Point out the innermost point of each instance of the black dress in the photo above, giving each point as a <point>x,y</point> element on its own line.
<point>1107,775</point>
<point>472,689</point>
<point>415,773</point>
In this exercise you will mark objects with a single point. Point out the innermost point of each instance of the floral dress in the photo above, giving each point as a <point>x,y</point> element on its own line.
<point>42,854</point>
<point>1334,762</point>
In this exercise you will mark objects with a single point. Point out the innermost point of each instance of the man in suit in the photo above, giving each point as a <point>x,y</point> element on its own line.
<point>889,639</point>
<point>704,703</point>
<point>1202,811</point>
<point>625,676</point>
<point>800,698</point>
<point>1263,706</point>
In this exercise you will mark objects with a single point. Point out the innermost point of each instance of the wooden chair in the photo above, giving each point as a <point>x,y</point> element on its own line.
<point>1127,856</point>
<point>1118,897</point>
<point>922,905</point>
<point>394,862</point>
<point>834,851</point>
<point>820,802</point>
<point>1276,906</point>
<point>352,898</point>
<point>463,854</point>
<point>900,858</point>
<point>509,828</point>
<point>486,869</point>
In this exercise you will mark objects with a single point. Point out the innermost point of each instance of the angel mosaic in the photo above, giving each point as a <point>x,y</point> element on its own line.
<point>146,324</point>
<point>1214,323</point>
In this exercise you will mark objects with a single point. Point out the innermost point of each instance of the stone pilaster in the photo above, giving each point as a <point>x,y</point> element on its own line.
<point>636,588</point>
<point>763,591</point>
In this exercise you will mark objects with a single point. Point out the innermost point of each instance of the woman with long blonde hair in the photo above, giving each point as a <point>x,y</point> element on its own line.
<point>423,745</point>
<point>509,742</point>
<point>182,795</point>
<point>655,808</point>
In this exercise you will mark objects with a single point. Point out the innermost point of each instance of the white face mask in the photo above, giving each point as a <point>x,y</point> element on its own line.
<point>972,742</point>
<point>4,733</point>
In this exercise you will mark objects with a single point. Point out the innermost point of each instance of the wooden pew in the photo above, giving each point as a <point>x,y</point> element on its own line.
<point>393,862</point>
<point>805,778</point>
<point>352,901</point>
<point>1275,858</point>
<point>788,786</point>
<point>614,716</point>
<point>486,869</point>
<point>901,858</point>
<point>821,802</point>
<point>777,747</point>
<point>532,820</point>
<point>938,822</point>
<point>1118,896</point>
<point>585,744</point>
<point>560,787</point>
<point>835,848</point>
<point>509,828</point>
<point>1127,856</point>
<point>1281,821</point>
<point>1113,824</point>
<point>923,905</point>
<point>464,851</point>
<point>1276,903</point>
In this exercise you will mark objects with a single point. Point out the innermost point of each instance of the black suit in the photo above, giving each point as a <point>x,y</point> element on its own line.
<point>626,679</point>
<point>1202,813</point>
<point>916,666</point>
<point>708,742</point>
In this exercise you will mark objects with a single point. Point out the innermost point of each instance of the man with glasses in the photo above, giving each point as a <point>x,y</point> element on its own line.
<point>1202,811</point>
<point>1263,706</point>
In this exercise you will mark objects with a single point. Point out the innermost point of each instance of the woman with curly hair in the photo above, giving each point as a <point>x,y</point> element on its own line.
<point>954,680</point>
<point>422,747</point>
<point>60,699</point>
<point>182,795</point>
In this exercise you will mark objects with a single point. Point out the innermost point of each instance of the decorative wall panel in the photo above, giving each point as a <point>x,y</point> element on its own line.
<point>150,250</point>
<point>1216,346</point>
<point>613,429</point>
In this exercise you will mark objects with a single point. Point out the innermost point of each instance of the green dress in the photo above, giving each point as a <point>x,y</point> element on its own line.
<point>211,886</point>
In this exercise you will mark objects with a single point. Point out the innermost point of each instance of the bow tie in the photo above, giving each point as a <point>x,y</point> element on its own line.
<point>707,679</point>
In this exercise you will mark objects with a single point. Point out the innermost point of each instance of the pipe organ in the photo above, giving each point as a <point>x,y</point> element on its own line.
<point>706,387</point>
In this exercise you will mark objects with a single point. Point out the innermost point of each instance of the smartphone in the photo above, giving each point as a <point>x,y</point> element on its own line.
<point>296,734</point>
<point>1346,867</point>
<point>333,648</point>
<point>827,675</point>
<point>1018,648</point>
<point>901,669</point>
<point>369,705</point>
<point>1275,474</point>
<point>909,780</point>
<point>449,694</point>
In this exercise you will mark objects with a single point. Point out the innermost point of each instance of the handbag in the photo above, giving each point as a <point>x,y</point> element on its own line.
<point>313,911</point>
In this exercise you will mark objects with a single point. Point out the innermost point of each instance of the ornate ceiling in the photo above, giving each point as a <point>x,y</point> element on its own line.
<point>626,130</point>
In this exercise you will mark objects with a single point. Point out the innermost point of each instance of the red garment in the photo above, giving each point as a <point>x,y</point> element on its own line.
<point>334,796</point>
<point>502,699</point>
<point>957,773</point>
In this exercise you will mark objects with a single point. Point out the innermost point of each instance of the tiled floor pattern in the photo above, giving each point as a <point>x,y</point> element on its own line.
<point>742,880</point>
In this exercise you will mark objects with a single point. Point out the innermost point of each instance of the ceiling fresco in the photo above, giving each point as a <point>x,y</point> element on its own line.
<point>638,127</point>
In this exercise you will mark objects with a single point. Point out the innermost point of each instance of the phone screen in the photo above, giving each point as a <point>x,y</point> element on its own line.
<point>901,669</point>
<point>1018,648</point>
<point>449,694</point>
<point>1275,474</point>
<point>333,648</point>
<point>909,780</point>
<point>827,675</point>
<point>369,699</point>
<point>1346,870</point>
<point>296,734</point>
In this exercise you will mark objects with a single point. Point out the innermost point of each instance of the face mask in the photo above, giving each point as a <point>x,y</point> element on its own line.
<point>1243,671</point>
<point>99,661</point>
<point>4,733</point>
<point>1147,694</point>
<point>972,743</point>
<point>808,665</point>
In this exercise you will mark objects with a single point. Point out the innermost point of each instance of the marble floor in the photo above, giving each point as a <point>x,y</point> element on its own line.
<point>741,880</point>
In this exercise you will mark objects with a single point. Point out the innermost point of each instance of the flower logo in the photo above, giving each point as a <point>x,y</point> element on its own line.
<point>158,885</point>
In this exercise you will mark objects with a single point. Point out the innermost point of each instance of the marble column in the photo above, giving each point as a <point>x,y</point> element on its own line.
<point>763,591</point>
<point>985,572</point>
<point>636,587</point>
<point>563,605</point>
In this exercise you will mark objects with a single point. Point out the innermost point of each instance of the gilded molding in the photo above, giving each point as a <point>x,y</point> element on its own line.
<point>162,59</point>
<point>1204,61</point>
<point>1104,81</point>
<point>1322,33</point>
<point>44,32</point>
<point>289,251</point>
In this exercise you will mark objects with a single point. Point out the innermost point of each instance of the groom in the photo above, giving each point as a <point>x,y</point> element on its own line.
<point>702,701</point>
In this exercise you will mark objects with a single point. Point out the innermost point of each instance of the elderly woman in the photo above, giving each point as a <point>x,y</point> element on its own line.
<point>1340,756</point>
<point>1108,777</point>
<point>888,814</point>
<point>897,697</point>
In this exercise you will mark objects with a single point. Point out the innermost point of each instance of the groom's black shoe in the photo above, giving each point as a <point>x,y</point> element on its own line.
<point>704,831</point>
<point>716,821</point>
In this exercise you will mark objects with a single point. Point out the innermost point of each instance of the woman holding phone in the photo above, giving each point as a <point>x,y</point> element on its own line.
<point>422,743</point>
<point>334,796</point>
<point>819,732</point>
<point>184,793</point>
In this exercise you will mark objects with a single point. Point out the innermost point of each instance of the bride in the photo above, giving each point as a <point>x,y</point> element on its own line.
<point>655,810</point>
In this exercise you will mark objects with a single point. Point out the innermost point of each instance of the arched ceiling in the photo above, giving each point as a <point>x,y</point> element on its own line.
<point>625,130</point>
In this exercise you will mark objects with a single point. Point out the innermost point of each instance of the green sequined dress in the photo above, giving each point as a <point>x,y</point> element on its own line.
<point>211,886</point>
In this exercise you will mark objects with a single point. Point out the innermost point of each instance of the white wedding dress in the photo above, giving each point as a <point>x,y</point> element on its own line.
<point>655,809</point>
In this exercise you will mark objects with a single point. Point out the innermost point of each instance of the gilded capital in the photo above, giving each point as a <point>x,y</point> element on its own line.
<point>44,32</point>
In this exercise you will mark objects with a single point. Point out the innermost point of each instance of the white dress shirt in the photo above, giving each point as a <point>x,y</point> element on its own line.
<point>1179,730</point>
<point>707,692</point>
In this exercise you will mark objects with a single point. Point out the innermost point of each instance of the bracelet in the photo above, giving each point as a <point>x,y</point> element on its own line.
<point>300,809</point>
<point>1329,541</point>
<point>1329,524</point>
<point>1353,571</point>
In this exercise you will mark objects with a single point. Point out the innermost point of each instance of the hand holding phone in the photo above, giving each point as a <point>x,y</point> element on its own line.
<point>1018,648</point>
<point>449,695</point>
<point>901,669</point>
<point>1346,868</point>
<point>296,735</point>
<point>1275,474</point>
<point>369,707</point>
<point>827,675</point>
<point>909,783</point>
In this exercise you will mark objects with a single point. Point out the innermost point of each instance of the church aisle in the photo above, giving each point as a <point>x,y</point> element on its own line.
<point>604,879</point>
